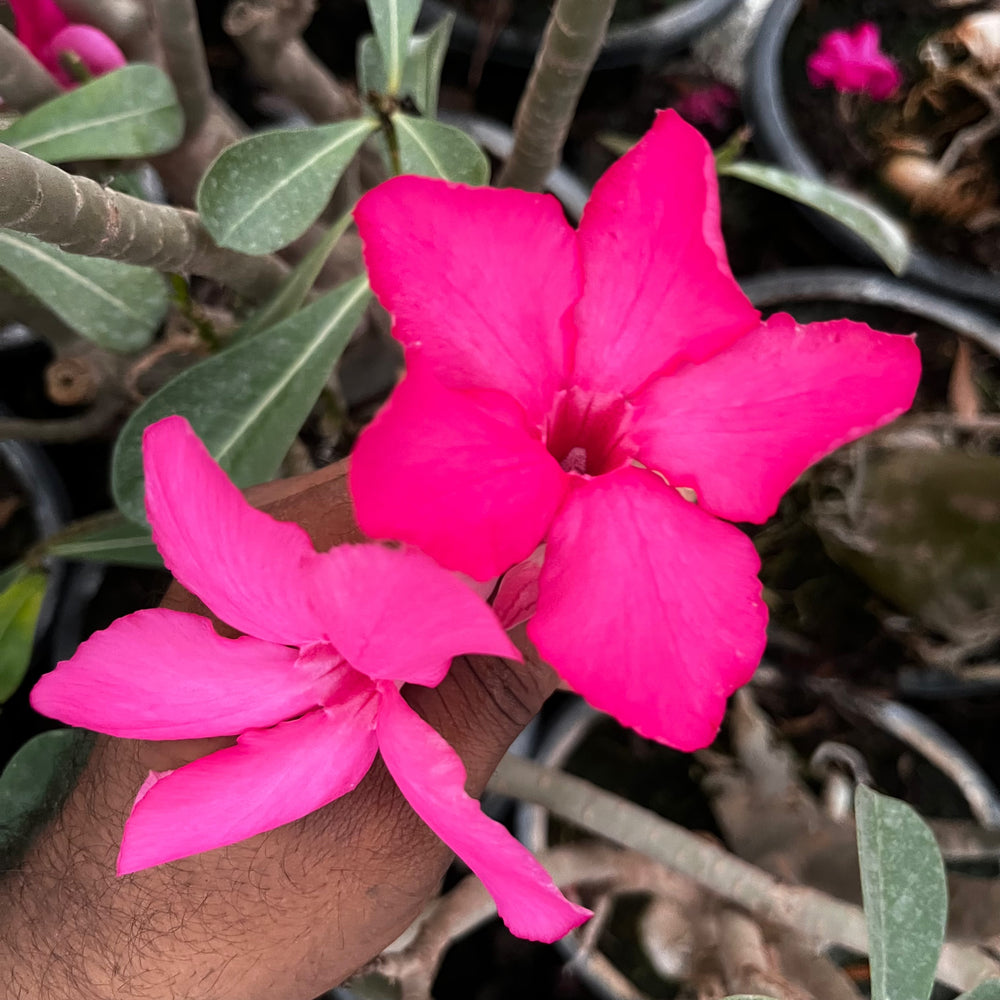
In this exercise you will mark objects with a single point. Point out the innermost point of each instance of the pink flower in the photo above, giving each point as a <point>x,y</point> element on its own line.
<point>562,385</point>
<point>708,105</point>
<point>46,32</point>
<point>852,62</point>
<point>312,689</point>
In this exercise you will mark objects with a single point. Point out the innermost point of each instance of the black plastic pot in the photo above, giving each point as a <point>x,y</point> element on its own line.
<point>639,43</point>
<point>776,136</point>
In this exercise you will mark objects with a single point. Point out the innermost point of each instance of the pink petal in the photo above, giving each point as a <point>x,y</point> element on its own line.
<point>431,776</point>
<point>742,426</point>
<point>269,778</point>
<point>458,478</point>
<point>649,607</point>
<point>246,567</point>
<point>657,289</point>
<point>479,278</point>
<point>517,595</point>
<point>97,52</point>
<point>397,615</point>
<point>36,21</point>
<point>166,675</point>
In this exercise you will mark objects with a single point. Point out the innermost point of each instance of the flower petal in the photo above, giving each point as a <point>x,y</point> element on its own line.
<point>649,607</point>
<point>479,278</point>
<point>167,675</point>
<point>657,289</point>
<point>740,427</point>
<point>36,21</point>
<point>243,564</point>
<point>396,615</point>
<point>269,778</point>
<point>458,478</point>
<point>431,776</point>
<point>96,51</point>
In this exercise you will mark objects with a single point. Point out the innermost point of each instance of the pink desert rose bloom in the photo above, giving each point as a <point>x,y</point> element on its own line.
<point>46,32</point>
<point>852,62</point>
<point>311,689</point>
<point>709,105</point>
<point>562,385</point>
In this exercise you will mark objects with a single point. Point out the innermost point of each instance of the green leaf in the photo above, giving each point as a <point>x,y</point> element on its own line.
<point>393,22</point>
<point>371,70</point>
<point>295,287</point>
<point>110,539</point>
<point>428,148</point>
<point>20,604</point>
<point>41,771</point>
<point>905,896</point>
<point>989,989</point>
<point>12,574</point>
<point>248,402</point>
<point>131,112</point>
<point>118,306</point>
<point>422,72</point>
<point>880,231</point>
<point>266,191</point>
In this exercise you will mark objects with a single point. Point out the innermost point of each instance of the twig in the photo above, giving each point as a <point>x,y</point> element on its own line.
<point>79,215</point>
<point>184,53</point>
<point>66,429</point>
<point>813,914</point>
<point>572,40</point>
<point>24,81</point>
<point>268,33</point>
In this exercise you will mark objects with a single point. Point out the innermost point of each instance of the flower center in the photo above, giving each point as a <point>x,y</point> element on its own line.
<point>587,433</point>
<point>334,680</point>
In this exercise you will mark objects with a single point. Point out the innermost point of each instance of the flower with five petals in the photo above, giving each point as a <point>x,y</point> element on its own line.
<point>853,63</point>
<point>46,32</point>
<point>562,385</point>
<point>311,689</point>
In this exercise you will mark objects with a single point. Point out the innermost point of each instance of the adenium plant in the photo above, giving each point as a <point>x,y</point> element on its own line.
<point>47,33</point>
<point>853,62</point>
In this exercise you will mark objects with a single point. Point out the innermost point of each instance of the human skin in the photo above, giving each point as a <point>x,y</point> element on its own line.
<point>282,916</point>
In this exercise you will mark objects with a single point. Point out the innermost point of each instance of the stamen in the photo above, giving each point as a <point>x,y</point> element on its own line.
<point>575,460</point>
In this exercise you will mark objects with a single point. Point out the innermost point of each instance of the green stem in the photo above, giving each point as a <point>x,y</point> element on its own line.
<point>572,41</point>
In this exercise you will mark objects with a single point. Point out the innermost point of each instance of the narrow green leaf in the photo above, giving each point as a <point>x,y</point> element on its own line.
<point>118,306</point>
<point>428,148</point>
<point>40,772</point>
<point>20,604</point>
<point>393,22</point>
<point>266,191</point>
<point>905,896</point>
<point>112,539</point>
<point>12,574</point>
<point>989,989</point>
<point>294,289</point>
<point>131,112</point>
<point>880,231</point>
<point>248,402</point>
<point>371,69</point>
<point>422,72</point>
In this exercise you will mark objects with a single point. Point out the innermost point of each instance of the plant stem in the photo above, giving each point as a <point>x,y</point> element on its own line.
<point>812,914</point>
<point>185,57</point>
<point>572,40</point>
<point>24,81</point>
<point>80,216</point>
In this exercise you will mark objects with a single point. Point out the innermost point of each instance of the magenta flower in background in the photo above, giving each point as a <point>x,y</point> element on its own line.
<point>46,32</point>
<point>852,62</point>
<point>709,105</point>
<point>561,385</point>
<point>311,689</point>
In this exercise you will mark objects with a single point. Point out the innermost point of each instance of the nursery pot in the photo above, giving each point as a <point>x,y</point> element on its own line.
<point>776,135</point>
<point>637,42</point>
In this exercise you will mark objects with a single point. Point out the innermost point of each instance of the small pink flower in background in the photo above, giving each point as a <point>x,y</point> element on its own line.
<point>311,689</point>
<point>46,32</point>
<point>708,105</point>
<point>561,385</point>
<point>853,63</point>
